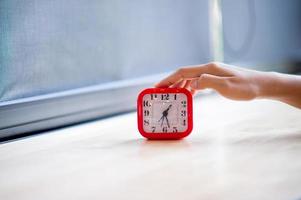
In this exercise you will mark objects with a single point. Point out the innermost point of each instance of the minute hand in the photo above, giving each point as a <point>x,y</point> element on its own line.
<point>165,112</point>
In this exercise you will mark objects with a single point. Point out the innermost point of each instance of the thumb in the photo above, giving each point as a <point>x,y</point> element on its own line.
<point>209,81</point>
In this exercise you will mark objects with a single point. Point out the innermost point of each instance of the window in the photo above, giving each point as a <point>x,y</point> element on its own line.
<point>66,61</point>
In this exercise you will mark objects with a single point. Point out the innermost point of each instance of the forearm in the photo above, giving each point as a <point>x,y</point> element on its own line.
<point>282,87</point>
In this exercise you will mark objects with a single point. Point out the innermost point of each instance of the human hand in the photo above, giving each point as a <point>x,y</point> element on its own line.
<point>231,82</point>
<point>237,83</point>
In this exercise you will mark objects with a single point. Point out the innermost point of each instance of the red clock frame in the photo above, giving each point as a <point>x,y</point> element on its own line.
<point>162,136</point>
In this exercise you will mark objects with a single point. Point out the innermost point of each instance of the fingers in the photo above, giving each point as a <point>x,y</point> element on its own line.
<point>184,84</point>
<point>179,84</point>
<point>192,72</point>
<point>187,84</point>
<point>193,91</point>
<point>181,74</point>
<point>210,81</point>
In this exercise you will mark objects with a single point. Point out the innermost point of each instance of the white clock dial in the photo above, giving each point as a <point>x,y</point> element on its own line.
<point>165,113</point>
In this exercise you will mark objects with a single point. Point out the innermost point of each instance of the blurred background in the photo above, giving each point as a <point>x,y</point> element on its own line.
<point>47,47</point>
<point>263,34</point>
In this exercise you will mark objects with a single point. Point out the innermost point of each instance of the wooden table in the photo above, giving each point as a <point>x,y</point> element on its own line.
<point>238,150</point>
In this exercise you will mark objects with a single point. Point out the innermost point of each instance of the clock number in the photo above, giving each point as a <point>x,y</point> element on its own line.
<point>153,129</point>
<point>183,103</point>
<point>146,104</point>
<point>175,130</point>
<point>183,113</point>
<point>153,96</point>
<point>175,97</point>
<point>146,122</point>
<point>164,129</point>
<point>164,96</point>
<point>184,122</point>
<point>146,113</point>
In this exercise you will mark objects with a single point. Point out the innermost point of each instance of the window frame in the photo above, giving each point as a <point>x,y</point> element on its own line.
<point>27,116</point>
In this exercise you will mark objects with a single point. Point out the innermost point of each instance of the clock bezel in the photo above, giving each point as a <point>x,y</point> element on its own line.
<point>168,135</point>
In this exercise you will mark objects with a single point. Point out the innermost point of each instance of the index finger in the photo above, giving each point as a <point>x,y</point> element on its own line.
<point>192,72</point>
<point>179,75</point>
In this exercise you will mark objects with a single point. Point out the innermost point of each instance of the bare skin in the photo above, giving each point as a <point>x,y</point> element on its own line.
<point>237,83</point>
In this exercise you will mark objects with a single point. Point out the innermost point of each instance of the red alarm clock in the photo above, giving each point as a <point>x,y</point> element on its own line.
<point>165,113</point>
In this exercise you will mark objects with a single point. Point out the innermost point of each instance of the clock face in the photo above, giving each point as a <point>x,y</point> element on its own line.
<point>165,113</point>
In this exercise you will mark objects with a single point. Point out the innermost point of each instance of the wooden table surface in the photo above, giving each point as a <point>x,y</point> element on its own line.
<point>238,150</point>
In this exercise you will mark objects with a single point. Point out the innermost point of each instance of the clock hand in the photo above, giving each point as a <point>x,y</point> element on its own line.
<point>164,116</point>
<point>169,107</point>
<point>165,112</point>
<point>161,119</point>
<point>167,122</point>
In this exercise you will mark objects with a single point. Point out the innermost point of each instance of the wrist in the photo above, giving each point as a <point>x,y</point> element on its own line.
<point>269,85</point>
